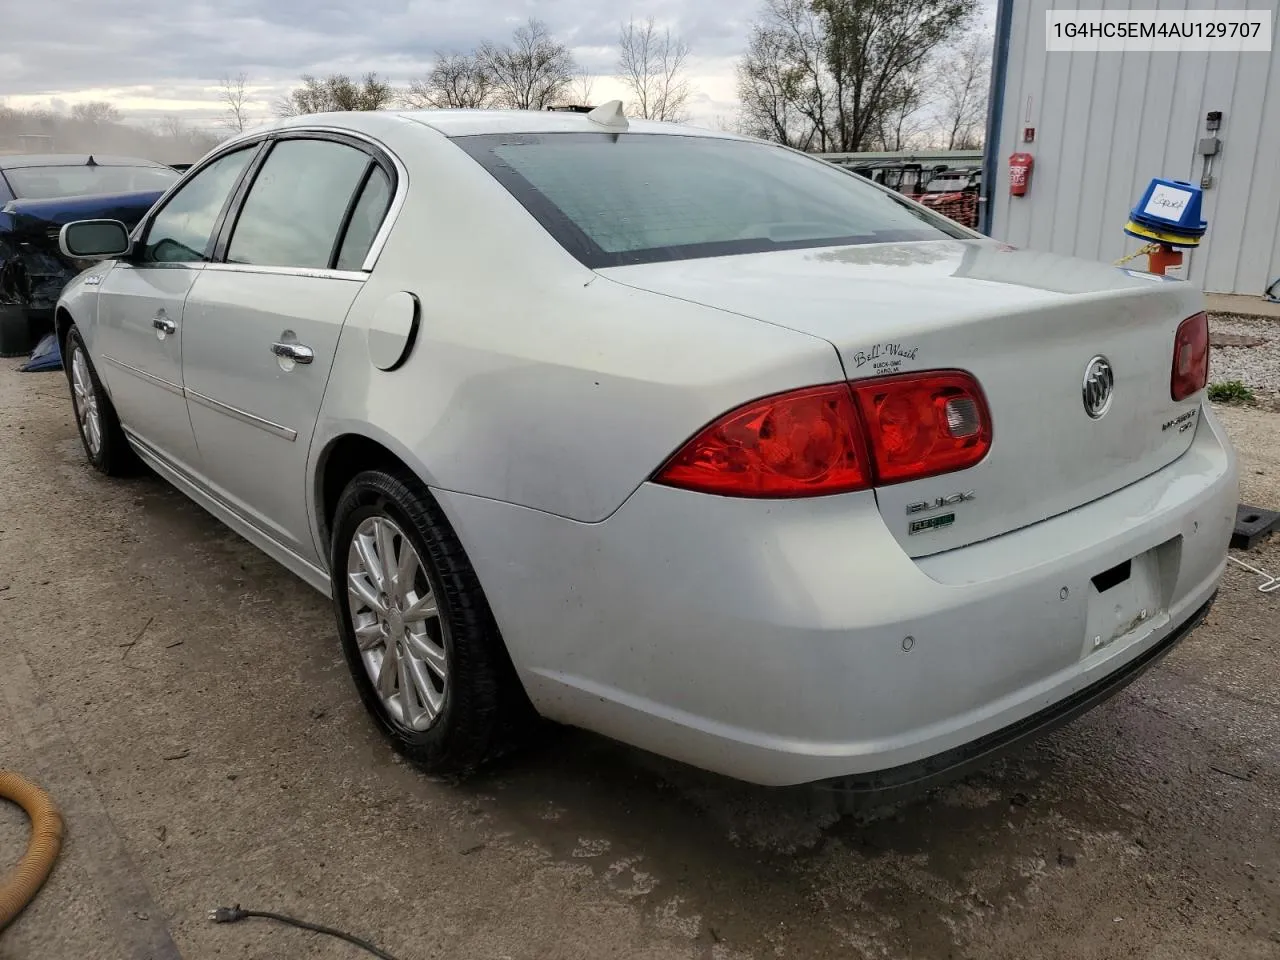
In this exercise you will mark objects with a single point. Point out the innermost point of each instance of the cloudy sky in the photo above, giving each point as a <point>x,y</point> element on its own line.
<point>150,65</point>
<point>156,59</point>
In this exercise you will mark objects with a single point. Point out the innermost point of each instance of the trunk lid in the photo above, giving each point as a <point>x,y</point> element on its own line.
<point>1026,325</point>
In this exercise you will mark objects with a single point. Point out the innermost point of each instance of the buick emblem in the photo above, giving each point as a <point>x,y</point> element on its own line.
<point>1099,387</point>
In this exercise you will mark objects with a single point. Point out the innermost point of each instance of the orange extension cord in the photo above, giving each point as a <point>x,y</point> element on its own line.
<point>22,883</point>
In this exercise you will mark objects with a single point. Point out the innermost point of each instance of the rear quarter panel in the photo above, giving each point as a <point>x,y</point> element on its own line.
<point>531,380</point>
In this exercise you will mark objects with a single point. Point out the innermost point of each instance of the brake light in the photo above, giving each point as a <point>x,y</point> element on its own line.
<point>798,444</point>
<point>838,438</point>
<point>923,424</point>
<point>1190,357</point>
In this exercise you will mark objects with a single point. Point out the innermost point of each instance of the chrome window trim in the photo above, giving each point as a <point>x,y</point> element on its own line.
<point>163,265</point>
<point>244,416</point>
<point>321,273</point>
<point>397,201</point>
<point>217,153</point>
<point>256,137</point>
<point>175,388</point>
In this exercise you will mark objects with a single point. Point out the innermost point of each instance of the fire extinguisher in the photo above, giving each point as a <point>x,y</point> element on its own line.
<point>1020,165</point>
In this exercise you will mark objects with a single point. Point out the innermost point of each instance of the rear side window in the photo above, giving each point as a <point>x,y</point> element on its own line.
<point>297,205</point>
<point>180,232</point>
<point>366,218</point>
<point>615,199</point>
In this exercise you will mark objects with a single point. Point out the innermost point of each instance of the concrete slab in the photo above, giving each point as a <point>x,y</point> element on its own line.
<point>1242,306</point>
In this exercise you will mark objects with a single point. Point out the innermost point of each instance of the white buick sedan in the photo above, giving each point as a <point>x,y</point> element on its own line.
<point>673,435</point>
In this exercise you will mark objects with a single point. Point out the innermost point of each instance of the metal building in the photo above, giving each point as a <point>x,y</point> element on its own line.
<point>1101,125</point>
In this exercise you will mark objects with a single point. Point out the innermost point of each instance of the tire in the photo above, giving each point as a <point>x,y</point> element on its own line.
<point>480,700</point>
<point>106,445</point>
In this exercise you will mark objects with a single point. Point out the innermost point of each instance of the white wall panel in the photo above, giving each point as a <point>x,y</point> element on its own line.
<point>1106,123</point>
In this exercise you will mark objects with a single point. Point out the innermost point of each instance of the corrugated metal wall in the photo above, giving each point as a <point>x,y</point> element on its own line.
<point>1106,123</point>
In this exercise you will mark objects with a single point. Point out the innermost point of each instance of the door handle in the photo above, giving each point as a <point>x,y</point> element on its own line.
<point>293,351</point>
<point>164,325</point>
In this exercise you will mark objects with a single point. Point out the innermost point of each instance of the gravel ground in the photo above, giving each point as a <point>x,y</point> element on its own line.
<point>1257,367</point>
<point>184,699</point>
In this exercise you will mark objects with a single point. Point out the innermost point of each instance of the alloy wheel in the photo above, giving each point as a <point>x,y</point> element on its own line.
<point>397,622</point>
<point>86,402</point>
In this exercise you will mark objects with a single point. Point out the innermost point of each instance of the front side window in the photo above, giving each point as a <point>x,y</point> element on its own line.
<point>44,183</point>
<point>297,204</point>
<point>640,198</point>
<point>181,231</point>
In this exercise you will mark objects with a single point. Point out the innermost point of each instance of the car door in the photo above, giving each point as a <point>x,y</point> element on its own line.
<point>137,340</point>
<point>262,327</point>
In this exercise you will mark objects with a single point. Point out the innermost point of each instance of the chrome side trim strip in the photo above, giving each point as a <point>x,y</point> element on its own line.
<point>149,377</point>
<point>271,427</point>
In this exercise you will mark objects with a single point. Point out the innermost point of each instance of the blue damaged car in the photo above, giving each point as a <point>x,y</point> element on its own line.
<point>38,194</point>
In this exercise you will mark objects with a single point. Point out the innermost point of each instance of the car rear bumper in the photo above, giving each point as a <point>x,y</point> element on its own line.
<point>977,753</point>
<point>786,642</point>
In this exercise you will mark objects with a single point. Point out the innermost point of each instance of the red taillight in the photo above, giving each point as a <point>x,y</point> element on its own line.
<point>1190,357</point>
<point>923,424</point>
<point>799,444</point>
<point>815,441</point>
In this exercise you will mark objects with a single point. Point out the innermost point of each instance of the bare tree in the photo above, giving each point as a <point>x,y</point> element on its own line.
<point>172,125</point>
<point>336,92</point>
<point>652,64</point>
<point>582,88</point>
<point>456,80</point>
<point>95,111</point>
<point>784,90</point>
<point>532,72</point>
<point>903,121</point>
<point>102,129</point>
<point>236,99</point>
<point>962,91</point>
<point>827,74</point>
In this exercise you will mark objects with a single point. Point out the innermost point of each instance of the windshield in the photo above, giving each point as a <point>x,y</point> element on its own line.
<point>613,199</point>
<point>44,183</point>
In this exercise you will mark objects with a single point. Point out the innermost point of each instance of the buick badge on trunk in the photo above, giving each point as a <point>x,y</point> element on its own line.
<point>939,502</point>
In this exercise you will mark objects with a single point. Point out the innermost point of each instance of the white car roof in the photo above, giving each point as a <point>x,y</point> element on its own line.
<point>461,123</point>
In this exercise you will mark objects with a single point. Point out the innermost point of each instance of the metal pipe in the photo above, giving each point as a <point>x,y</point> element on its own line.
<point>995,109</point>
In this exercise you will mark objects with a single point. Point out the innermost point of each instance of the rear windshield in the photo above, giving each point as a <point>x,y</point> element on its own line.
<point>615,199</point>
<point>44,183</point>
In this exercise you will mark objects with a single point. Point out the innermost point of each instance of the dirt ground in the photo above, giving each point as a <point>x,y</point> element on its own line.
<point>184,699</point>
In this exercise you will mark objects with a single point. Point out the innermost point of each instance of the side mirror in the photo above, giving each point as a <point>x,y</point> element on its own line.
<point>94,239</point>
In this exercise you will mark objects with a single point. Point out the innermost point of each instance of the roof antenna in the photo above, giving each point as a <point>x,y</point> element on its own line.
<point>91,162</point>
<point>609,115</point>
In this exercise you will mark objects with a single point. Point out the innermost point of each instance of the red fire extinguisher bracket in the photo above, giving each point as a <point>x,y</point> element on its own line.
<point>1020,166</point>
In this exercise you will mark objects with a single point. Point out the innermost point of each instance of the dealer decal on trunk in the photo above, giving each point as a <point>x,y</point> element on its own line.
<point>884,357</point>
